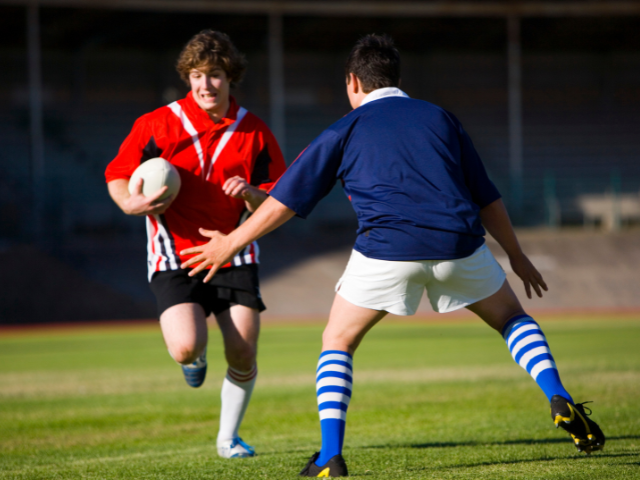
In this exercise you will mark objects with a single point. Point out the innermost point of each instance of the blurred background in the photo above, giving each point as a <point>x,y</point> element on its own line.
<point>548,90</point>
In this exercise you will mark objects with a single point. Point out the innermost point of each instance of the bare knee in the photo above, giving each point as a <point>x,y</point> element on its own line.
<point>508,315</point>
<point>346,338</point>
<point>499,308</point>
<point>184,328</point>
<point>498,318</point>
<point>241,355</point>
<point>339,341</point>
<point>240,327</point>
<point>348,324</point>
<point>185,354</point>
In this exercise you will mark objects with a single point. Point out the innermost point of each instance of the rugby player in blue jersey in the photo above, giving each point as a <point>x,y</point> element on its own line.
<point>423,201</point>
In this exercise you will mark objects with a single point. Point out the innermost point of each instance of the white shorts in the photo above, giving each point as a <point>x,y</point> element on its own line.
<point>397,287</point>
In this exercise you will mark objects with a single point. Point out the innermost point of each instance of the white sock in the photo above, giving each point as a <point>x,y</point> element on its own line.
<point>236,393</point>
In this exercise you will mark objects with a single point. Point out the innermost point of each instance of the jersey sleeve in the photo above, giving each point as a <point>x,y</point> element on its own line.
<point>269,165</point>
<point>311,176</point>
<point>483,191</point>
<point>139,145</point>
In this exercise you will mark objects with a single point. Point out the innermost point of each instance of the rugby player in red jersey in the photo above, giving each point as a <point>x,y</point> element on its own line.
<point>227,159</point>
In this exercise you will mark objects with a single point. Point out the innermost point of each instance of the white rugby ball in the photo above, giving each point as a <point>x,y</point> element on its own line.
<point>156,173</point>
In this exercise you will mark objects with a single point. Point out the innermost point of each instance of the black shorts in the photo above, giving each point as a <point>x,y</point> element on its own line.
<point>229,286</point>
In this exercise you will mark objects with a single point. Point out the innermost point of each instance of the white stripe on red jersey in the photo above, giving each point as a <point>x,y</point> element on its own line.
<point>161,250</point>
<point>188,126</point>
<point>225,138</point>
<point>152,256</point>
<point>168,245</point>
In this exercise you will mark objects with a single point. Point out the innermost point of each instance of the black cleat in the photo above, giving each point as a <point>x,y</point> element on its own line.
<point>585,432</point>
<point>333,468</point>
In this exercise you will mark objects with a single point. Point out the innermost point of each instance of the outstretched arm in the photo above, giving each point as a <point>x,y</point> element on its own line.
<point>222,248</point>
<point>496,220</point>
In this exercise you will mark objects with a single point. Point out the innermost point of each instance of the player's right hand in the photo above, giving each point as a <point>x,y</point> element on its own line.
<point>139,205</point>
<point>213,254</point>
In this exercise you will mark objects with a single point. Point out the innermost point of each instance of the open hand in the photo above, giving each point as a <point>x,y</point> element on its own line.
<point>216,253</point>
<point>529,275</point>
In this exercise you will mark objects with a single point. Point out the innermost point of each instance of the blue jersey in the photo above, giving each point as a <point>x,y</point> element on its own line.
<point>411,172</point>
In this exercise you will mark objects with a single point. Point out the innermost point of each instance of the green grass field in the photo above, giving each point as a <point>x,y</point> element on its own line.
<point>430,401</point>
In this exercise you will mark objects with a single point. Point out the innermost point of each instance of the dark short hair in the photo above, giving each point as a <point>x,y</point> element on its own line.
<point>210,49</point>
<point>375,61</point>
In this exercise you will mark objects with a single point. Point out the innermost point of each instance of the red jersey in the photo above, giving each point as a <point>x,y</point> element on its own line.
<point>206,154</point>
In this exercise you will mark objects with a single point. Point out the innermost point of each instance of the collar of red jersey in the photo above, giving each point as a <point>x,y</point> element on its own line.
<point>383,93</point>
<point>231,116</point>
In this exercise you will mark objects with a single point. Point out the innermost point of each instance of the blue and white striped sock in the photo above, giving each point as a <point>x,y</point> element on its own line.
<point>334,378</point>
<point>530,350</point>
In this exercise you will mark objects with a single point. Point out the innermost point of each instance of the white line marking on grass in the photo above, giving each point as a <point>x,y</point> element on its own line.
<point>51,385</point>
<point>61,464</point>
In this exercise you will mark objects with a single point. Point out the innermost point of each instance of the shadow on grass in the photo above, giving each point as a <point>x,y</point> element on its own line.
<point>522,461</point>
<point>478,443</point>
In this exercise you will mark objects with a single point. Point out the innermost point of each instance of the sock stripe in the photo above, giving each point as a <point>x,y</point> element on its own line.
<point>532,357</point>
<point>325,397</point>
<point>527,348</point>
<point>240,376</point>
<point>332,374</point>
<point>335,355</point>
<point>333,381</point>
<point>338,352</point>
<point>334,389</point>
<point>537,359</point>
<point>520,331</point>
<point>334,368</point>
<point>524,332</point>
<point>331,404</point>
<point>243,372</point>
<point>515,320</point>
<point>331,378</point>
<point>526,342</point>
<point>246,376</point>
<point>541,366</point>
<point>333,413</point>
<point>328,363</point>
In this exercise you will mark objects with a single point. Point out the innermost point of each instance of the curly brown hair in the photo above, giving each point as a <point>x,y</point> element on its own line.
<point>210,49</point>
